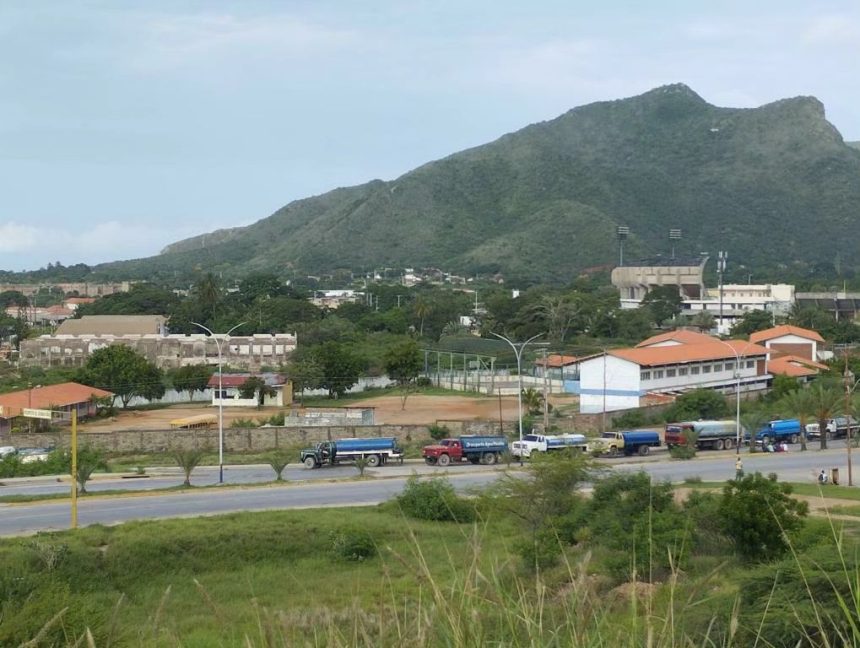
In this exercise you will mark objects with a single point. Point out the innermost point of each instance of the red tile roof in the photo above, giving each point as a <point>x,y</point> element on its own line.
<point>785,329</point>
<point>681,353</point>
<point>61,395</point>
<point>557,360</point>
<point>681,336</point>
<point>795,366</point>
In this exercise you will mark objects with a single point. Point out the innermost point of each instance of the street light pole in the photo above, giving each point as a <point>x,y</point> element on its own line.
<point>518,352</point>
<point>220,398</point>
<point>849,390</point>
<point>738,357</point>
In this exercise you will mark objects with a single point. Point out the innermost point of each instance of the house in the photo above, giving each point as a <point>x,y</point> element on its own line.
<point>230,386</point>
<point>72,303</point>
<point>622,378</point>
<point>790,340</point>
<point>58,398</point>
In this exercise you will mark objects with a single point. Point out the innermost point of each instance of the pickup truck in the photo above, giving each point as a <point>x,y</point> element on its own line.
<point>547,443</point>
<point>836,427</point>
<point>473,448</point>
<point>626,443</point>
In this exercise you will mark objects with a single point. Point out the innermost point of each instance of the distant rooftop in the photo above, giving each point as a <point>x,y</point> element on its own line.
<point>661,261</point>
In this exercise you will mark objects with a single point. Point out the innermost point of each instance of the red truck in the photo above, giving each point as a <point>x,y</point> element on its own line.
<point>473,448</point>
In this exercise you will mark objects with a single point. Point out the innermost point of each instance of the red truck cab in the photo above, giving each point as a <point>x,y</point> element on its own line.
<point>443,453</point>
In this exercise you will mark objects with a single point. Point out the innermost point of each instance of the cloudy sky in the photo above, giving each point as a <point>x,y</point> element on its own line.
<point>128,125</point>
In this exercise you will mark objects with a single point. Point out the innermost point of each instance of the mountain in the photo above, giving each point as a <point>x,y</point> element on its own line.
<point>853,144</point>
<point>772,185</point>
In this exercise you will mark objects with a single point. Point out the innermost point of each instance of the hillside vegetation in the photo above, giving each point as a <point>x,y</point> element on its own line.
<point>543,202</point>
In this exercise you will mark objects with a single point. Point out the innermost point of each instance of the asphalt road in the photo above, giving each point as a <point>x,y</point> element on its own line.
<point>322,487</point>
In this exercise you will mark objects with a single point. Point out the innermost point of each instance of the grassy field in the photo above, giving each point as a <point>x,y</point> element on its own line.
<point>373,577</point>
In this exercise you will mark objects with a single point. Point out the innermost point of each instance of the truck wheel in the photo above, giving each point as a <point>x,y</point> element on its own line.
<point>643,450</point>
<point>444,460</point>
<point>489,458</point>
<point>793,438</point>
<point>730,443</point>
<point>720,444</point>
<point>310,462</point>
<point>373,461</point>
<point>613,451</point>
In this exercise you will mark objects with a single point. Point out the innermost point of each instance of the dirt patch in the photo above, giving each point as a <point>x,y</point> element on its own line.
<point>420,410</point>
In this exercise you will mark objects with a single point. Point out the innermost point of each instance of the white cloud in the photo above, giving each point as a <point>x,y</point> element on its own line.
<point>833,29</point>
<point>29,246</point>
<point>169,41</point>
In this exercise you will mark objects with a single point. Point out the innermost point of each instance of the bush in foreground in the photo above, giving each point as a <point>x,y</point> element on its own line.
<point>434,499</point>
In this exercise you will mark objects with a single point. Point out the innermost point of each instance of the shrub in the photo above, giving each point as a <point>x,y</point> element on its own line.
<point>434,499</point>
<point>245,423</point>
<point>188,460</point>
<point>278,460</point>
<point>353,545</point>
<point>758,513</point>
<point>423,381</point>
<point>439,432</point>
<point>632,419</point>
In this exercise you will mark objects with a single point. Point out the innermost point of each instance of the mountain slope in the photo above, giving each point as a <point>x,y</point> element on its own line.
<point>544,202</point>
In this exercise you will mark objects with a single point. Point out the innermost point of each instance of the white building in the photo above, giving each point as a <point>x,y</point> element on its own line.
<point>620,378</point>
<point>790,341</point>
<point>231,384</point>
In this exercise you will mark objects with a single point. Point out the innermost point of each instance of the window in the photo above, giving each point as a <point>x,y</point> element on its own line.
<point>670,373</point>
<point>706,369</point>
<point>658,374</point>
<point>645,375</point>
<point>694,371</point>
<point>730,366</point>
<point>682,371</point>
<point>750,364</point>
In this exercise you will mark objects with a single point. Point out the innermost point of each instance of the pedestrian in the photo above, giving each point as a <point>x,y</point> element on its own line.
<point>822,477</point>
<point>739,468</point>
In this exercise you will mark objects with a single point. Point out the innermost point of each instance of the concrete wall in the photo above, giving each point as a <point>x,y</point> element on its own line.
<point>619,380</point>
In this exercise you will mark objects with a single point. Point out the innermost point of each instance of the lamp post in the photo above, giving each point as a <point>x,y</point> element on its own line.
<point>738,356</point>
<point>518,352</point>
<point>220,398</point>
<point>850,386</point>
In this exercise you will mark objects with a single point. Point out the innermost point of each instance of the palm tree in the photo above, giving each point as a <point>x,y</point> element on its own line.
<point>826,402</point>
<point>188,460</point>
<point>752,421</point>
<point>532,400</point>
<point>422,310</point>
<point>800,403</point>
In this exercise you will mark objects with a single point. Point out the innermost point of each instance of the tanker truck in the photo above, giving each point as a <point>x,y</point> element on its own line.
<point>377,451</point>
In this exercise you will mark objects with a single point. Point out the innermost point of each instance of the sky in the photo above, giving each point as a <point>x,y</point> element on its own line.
<point>125,126</point>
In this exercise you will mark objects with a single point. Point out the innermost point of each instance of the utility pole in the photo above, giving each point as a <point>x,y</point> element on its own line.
<point>849,388</point>
<point>721,268</point>
<point>545,401</point>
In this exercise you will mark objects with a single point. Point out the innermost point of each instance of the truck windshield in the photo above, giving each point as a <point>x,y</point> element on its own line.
<point>607,435</point>
<point>445,442</point>
<point>531,437</point>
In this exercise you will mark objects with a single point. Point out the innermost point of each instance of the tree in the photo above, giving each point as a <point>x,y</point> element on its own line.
<point>800,403</point>
<point>826,401</point>
<point>422,309</point>
<point>703,320</point>
<point>256,387</point>
<point>279,460</point>
<point>752,321</point>
<point>88,461</point>
<point>124,372</point>
<point>340,366</point>
<point>188,459</point>
<point>305,373</point>
<point>758,513</point>
<point>698,404</point>
<point>546,505</point>
<point>13,298</point>
<point>207,294</point>
<point>752,420</point>
<point>558,313</point>
<point>532,400</point>
<point>664,302</point>
<point>403,364</point>
<point>191,378</point>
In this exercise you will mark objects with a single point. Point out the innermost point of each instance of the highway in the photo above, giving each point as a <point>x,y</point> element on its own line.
<point>332,487</point>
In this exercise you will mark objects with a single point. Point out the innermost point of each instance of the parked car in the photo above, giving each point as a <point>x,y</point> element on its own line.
<point>6,450</point>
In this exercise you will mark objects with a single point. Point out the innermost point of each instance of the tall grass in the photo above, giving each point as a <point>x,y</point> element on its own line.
<point>279,579</point>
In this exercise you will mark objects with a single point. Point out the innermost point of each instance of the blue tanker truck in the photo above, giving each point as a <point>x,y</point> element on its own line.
<point>377,451</point>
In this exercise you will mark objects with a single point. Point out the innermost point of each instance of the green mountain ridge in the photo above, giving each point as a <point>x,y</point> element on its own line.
<point>543,203</point>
